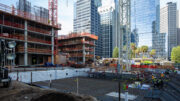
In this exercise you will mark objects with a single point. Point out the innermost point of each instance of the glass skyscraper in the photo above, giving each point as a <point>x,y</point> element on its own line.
<point>87,19</point>
<point>145,22</point>
<point>107,25</point>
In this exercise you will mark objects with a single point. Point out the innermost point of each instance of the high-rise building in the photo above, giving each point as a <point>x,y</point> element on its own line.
<point>145,22</point>
<point>87,19</point>
<point>107,25</point>
<point>178,36</point>
<point>178,29</point>
<point>168,25</point>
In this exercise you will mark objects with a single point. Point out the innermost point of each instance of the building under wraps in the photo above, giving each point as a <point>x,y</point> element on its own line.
<point>78,46</point>
<point>36,38</point>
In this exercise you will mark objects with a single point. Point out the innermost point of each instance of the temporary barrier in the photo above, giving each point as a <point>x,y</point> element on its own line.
<point>144,66</point>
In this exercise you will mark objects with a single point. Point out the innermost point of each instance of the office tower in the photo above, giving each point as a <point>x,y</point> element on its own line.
<point>178,29</point>
<point>145,22</point>
<point>168,25</point>
<point>107,25</point>
<point>87,19</point>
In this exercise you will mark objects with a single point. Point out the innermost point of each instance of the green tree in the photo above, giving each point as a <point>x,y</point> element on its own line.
<point>138,51</point>
<point>133,50</point>
<point>175,54</point>
<point>116,52</point>
<point>153,52</point>
<point>144,49</point>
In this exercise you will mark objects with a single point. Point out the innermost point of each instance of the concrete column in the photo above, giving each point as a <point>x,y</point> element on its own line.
<point>94,51</point>
<point>52,47</point>
<point>84,52</point>
<point>25,44</point>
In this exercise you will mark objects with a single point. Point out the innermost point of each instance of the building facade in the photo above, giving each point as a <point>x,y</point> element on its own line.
<point>145,22</point>
<point>107,31</point>
<point>168,25</point>
<point>178,29</point>
<point>178,36</point>
<point>78,46</point>
<point>35,38</point>
<point>87,19</point>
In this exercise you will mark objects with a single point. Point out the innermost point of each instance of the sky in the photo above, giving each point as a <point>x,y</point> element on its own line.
<point>65,11</point>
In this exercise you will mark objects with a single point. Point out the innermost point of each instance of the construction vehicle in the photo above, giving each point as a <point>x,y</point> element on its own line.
<point>6,54</point>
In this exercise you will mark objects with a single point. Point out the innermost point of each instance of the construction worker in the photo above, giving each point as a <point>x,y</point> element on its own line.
<point>162,75</point>
<point>152,77</point>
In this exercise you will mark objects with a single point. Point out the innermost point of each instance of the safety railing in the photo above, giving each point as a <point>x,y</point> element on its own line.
<point>76,42</point>
<point>13,24</point>
<point>20,49</point>
<point>80,55</point>
<point>38,30</point>
<point>12,36</point>
<point>34,50</point>
<point>38,40</point>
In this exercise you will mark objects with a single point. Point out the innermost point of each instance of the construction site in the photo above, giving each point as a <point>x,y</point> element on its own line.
<point>79,47</point>
<point>48,67</point>
<point>34,32</point>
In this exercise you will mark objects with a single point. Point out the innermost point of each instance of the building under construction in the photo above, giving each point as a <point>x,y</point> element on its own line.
<point>35,37</point>
<point>78,46</point>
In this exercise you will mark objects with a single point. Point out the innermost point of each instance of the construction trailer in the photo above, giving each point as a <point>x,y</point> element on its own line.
<point>78,46</point>
<point>36,38</point>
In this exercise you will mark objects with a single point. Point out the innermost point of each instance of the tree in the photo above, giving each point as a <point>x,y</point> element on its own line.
<point>133,46</point>
<point>153,52</point>
<point>115,52</point>
<point>133,50</point>
<point>137,51</point>
<point>175,54</point>
<point>144,49</point>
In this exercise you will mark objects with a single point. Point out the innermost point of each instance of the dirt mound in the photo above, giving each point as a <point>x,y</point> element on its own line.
<point>23,92</point>
<point>63,97</point>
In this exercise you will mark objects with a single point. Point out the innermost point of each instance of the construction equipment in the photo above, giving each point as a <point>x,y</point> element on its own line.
<point>6,54</point>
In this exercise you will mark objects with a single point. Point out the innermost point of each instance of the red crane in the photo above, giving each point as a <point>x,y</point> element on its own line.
<point>53,12</point>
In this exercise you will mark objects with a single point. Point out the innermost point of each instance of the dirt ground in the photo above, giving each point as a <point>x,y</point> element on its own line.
<point>89,86</point>
<point>23,92</point>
